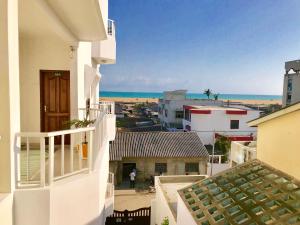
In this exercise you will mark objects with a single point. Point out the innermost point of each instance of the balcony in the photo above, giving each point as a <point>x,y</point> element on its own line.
<point>242,151</point>
<point>51,156</point>
<point>104,52</point>
<point>54,172</point>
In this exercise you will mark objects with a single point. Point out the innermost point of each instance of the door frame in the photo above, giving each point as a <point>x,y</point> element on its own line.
<point>42,115</point>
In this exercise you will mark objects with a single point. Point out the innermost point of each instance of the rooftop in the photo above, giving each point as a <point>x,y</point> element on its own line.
<point>288,109</point>
<point>156,145</point>
<point>192,107</point>
<point>251,193</point>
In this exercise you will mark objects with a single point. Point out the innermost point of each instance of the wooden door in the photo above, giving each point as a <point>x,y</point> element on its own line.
<point>55,101</point>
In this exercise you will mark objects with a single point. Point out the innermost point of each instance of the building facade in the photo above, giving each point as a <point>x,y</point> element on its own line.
<point>171,107</point>
<point>157,153</point>
<point>210,121</point>
<point>50,59</point>
<point>291,83</point>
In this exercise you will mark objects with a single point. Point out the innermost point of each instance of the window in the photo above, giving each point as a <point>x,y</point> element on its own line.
<point>290,85</point>
<point>179,114</point>
<point>192,167</point>
<point>288,99</point>
<point>160,167</point>
<point>187,115</point>
<point>234,124</point>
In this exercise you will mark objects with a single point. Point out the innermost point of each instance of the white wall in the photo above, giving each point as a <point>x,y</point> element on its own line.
<point>161,209</point>
<point>6,209</point>
<point>173,105</point>
<point>184,216</point>
<point>217,168</point>
<point>9,92</point>
<point>218,120</point>
<point>41,53</point>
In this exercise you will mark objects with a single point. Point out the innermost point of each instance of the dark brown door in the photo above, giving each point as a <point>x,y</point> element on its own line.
<point>55,101</point>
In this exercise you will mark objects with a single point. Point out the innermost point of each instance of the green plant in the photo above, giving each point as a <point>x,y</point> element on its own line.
<point>216,96</point>
<point>165,221</point>
<point>222,145</point>
<point>81,123</point>
<point>208,93</point>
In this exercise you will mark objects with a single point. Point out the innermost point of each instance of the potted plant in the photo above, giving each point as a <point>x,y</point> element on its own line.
<point>80,124</point>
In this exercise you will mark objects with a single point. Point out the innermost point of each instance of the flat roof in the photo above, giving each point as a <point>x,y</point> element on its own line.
<point>252,193</point>
<point>223,108</point>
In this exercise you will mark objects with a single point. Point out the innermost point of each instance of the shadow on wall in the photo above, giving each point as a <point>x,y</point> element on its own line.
<point>98,220</point>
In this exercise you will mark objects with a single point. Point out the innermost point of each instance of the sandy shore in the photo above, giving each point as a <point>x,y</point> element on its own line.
<point>134,100</point>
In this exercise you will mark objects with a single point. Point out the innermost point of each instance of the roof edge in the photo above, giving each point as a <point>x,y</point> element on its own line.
<point>279,113</point>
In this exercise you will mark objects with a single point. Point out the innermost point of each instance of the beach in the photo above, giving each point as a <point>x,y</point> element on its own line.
<point>140,100</point>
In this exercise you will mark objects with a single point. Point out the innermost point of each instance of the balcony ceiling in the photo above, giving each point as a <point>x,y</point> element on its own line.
<point>73,19</point>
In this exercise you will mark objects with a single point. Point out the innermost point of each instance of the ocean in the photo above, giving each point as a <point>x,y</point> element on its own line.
<point>116,94</point>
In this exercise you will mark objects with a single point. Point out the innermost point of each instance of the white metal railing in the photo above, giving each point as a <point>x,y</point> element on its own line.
<point>111,27</point>
<point>42,163</point>
<point>45,157</point>
<point>242,151</point>
<point>216,158</point>
<point>105,106</point>
<point>110,185</point>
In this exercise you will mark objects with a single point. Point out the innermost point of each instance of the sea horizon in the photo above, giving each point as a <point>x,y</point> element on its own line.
<point>128,94</point>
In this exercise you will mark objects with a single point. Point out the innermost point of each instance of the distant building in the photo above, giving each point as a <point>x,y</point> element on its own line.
<point>210,121</point>
<point>291,86</point>
<point>155,153</point>
<point>170,108</point>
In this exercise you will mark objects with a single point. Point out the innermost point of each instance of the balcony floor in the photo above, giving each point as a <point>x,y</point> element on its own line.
<point>34,163</point>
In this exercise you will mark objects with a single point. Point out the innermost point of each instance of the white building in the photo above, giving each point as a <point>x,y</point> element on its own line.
<point>50,58</point>
<point>210,121</point>
<point>171,107</point>
<point>242,151</point>
<point>291,83</point>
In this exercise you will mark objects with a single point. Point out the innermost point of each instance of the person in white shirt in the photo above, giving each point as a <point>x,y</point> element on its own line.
<point>132,179</point>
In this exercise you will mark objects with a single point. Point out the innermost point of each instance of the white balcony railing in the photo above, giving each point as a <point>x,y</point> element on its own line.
<point>242,151</point>
<point>216,158</point>
<point>46,157</point>
<point>111,27</point>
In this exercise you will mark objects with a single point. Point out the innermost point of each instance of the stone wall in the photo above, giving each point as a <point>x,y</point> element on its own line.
<point>146,167</point>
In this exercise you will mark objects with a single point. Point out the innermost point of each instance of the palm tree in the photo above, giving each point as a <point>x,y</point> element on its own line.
<point>208,93</point>
<point>216,96</point>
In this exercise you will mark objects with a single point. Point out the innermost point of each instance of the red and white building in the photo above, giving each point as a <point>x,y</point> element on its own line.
<point>215,121</point>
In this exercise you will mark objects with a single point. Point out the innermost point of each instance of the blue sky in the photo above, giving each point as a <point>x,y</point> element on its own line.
<point>230,46</point>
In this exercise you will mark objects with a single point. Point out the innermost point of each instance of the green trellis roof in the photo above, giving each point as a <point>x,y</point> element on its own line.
<point>252,193</point>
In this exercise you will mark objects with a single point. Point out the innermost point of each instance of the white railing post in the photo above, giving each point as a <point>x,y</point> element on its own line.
<point>42,162</point>
<point>72,153</point>
<point>27,159</point>
<point>62,156</point>
<point>80,155</point>
<point>51,160</point>
<point>90,150</point>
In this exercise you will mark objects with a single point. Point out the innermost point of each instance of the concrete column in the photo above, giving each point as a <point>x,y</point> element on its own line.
<point>9,91</point>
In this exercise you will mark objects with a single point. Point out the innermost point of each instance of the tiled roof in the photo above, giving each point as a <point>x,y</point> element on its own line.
<point>252,193</point>
<point>156,144</point>
<point>147,128</point>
